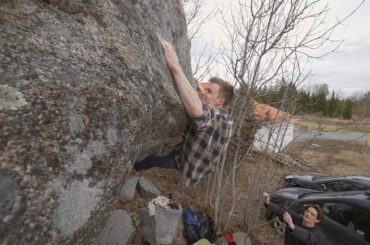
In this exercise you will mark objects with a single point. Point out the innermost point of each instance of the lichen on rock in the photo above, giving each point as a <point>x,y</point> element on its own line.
<point>75,206</point>
<point>10,98</point>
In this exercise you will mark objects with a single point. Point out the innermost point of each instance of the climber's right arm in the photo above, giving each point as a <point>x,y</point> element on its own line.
<point>189,97</point>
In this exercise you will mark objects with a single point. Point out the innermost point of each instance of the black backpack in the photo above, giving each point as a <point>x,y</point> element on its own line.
<point>198,226</point>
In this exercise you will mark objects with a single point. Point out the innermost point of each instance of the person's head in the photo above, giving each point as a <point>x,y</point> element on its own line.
<point>219,93</point>
<point>313,215</point>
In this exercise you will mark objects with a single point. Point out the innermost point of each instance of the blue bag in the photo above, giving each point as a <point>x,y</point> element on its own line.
<point>192,217</point>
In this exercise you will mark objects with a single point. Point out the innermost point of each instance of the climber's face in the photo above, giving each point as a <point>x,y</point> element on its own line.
<point>212,95</point>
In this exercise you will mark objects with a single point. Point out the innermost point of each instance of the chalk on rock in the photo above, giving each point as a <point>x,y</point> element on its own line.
<point>129,188</point>
<point>147,188</point>
<point>118,230</point>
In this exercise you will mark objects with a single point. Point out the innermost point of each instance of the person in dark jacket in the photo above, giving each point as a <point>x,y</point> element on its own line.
<point>300,230</point>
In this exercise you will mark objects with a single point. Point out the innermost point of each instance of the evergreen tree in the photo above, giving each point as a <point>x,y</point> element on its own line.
<point>303,102</point>
<point>306,102</point>
<point>321,103</point>
<point>332,105</point>
<point>347,111</point>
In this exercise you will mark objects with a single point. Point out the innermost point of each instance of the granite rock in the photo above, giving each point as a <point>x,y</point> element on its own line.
<point>147,188</point>
<point>241,238</point>
<point>84,92</point>
<point>118,230</point>
<point>129,188</point>
<point>162,228</point>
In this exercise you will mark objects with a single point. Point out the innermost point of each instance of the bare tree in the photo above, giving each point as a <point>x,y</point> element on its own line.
<point>362,106</point>
<point>268,40</point>
<point>197,15</point>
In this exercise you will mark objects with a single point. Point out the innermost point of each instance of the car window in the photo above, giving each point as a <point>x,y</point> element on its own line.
<point>355,219</point>
<point>343,186</point>
<point>296,208</point>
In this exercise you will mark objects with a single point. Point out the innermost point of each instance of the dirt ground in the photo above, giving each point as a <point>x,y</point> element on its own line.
<point>254,176</point>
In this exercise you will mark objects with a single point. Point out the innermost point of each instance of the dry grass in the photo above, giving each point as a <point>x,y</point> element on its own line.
<point>167,181</point>
<point>330,124</point>
<point>171,181</point>
<point>332,157</point>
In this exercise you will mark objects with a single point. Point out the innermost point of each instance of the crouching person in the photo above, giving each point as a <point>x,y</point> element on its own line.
<point>299,230</point>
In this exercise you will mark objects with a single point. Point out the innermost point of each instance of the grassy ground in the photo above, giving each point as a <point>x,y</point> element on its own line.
<point>332,157</point>
<point>305,123</point>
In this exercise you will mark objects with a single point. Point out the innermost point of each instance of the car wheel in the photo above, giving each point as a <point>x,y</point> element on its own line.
<point>278,225</point>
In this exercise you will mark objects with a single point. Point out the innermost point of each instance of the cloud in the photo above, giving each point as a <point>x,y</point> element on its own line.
<point>347,69</point>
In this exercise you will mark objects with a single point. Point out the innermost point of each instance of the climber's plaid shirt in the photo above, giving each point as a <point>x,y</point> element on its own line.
<point>205,139</point>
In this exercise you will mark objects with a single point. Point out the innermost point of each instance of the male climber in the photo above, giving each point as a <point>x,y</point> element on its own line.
<point>209,129</point>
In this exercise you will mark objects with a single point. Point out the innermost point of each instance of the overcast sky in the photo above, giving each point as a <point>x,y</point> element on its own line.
<point>348,69</point>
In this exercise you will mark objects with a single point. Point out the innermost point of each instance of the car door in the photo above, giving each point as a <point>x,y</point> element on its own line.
<point>345,224</point>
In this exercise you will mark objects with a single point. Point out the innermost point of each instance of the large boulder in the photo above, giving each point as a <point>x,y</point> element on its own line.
<point>84,92</point>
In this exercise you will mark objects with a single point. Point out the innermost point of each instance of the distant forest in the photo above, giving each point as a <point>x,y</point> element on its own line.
<point>317,101</point>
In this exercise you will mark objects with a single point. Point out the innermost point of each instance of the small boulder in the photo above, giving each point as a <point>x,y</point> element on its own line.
<point>162,228</point>
<point>147,188</point>
<point>118,230</point>
<point>241,238</point>
<point>129,188</point>
<point>221,241</point>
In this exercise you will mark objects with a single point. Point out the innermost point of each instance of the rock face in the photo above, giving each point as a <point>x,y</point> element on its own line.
<point>118,230</point>
<point>84,92</point>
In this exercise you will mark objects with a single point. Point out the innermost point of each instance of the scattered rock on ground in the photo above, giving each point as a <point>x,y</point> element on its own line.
<point>221,241</point>
<point>162,228</point>
<point>241,238</point>
<point>148,189</point>
<point>118,229</point>
<point>129,188</point>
